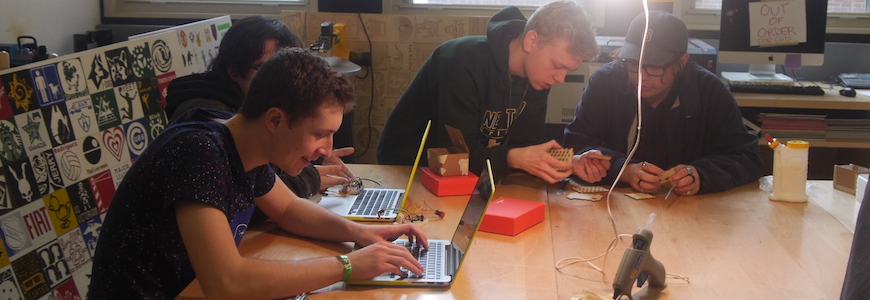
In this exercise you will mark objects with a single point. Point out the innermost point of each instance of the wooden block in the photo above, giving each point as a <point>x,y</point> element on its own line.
<point>667,174</point>
<point>640,196</point>
<point>590,189</point>
<point>596,156</point>
<point>581,196</point>
<point>564,155</point>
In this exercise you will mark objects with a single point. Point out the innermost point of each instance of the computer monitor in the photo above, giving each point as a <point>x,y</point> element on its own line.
<point>765,34</point>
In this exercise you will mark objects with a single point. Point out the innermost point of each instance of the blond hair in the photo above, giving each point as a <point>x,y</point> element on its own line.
<point>565,20</point>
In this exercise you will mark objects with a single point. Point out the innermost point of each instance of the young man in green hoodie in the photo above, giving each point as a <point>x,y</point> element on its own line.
<point>494,89</point>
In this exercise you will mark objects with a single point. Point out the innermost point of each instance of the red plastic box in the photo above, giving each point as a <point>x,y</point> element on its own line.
<point>447,185</point>
<point>511,216</point>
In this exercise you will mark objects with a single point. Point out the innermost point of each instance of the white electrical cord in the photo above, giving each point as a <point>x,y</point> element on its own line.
<point>568,261</point>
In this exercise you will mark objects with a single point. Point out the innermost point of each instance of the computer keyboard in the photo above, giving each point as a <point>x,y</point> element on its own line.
<point>776,89</point>
<point>855,80</point>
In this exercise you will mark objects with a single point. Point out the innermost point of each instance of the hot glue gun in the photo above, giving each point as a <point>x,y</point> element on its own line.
<point>638,264</point>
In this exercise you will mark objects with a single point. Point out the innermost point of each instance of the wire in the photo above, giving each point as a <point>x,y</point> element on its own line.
<point>417,213</point>
<point>380,186</point>
<point>568,261</point>
<point>565,262</point>
<point>616,235</point>
<point>369,73</point>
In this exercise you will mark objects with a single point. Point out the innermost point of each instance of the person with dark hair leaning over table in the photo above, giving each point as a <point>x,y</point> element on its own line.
<point>690,120</point>
<point>169,220</point>
<point>494,90</point>
<point>243,49</point>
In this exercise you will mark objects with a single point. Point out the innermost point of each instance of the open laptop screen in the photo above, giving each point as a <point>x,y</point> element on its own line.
<point>473,213</point>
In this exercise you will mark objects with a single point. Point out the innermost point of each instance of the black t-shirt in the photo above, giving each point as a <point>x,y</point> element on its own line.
<point>140,253</point>
<point>653,132</point>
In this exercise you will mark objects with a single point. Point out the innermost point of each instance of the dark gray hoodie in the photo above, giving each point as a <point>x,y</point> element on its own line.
<point>466,83</point>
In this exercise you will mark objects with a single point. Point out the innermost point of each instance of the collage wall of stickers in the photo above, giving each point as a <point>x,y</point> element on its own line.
<point>70,128</point>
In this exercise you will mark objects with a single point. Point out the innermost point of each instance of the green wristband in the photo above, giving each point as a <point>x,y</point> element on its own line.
<point>347,267</point>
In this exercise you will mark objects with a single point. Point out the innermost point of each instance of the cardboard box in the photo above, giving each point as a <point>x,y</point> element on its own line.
<point>511,216</point>
<point>447,185</point>
<point>451,161</point>
<point>845,176</point>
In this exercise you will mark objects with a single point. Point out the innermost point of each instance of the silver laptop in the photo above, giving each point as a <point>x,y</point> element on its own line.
<point>373,204</point>
<point>442,260</point>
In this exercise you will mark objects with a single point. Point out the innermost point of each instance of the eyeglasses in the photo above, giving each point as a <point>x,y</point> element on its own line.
<point>256,67</point>
<point>652,71</point>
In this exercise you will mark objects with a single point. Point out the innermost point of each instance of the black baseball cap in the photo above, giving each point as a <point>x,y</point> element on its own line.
<point>667,36</point>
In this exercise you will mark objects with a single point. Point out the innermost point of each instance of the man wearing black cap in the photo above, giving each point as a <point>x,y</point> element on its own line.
<point>689,119</point>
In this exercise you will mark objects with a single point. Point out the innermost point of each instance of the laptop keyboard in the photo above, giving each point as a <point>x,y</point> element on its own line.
<point>430,258</point>
<point>370,201</point>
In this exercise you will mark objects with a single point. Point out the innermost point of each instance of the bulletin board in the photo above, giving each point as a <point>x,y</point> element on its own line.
<point>70,128</point>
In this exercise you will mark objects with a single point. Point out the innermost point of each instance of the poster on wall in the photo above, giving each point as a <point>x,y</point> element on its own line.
<point>70,128</point>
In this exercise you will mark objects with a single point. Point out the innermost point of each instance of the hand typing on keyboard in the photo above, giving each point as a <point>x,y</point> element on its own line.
<point>384,257</point>
<point>417,252</point>
<point>379,256</point>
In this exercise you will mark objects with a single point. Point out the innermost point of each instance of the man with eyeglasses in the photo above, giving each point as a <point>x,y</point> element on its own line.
<point>689,120</point>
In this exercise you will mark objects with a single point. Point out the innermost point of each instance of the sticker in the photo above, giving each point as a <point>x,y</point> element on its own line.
<point>55,267</point>
<point>34,134</point>
<point>59,128</point>
<point>47,84</point>
<point>73,79</point>
<point>120,66</point>
<point>19,91</point>
<point>31,277</point>
<point>11,146</point>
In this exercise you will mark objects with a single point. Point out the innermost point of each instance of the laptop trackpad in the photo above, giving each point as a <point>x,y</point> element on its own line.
<point>339,205</point>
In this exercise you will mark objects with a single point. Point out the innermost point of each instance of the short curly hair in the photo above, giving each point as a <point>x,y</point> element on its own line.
<point>567,20</point>
<point>298,81</point>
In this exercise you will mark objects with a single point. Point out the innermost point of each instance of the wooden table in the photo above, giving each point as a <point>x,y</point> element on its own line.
<point>497,266</point>
<point>732,245</point>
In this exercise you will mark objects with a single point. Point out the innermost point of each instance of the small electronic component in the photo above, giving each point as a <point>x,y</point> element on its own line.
<point>352,187</point>
<point>563,155</point>
<point>417,214</point>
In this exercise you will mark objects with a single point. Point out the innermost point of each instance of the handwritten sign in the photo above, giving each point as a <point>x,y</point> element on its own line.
<point>777,23</point>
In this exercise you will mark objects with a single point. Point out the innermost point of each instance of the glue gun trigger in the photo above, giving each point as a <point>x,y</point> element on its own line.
<point>641,278</point>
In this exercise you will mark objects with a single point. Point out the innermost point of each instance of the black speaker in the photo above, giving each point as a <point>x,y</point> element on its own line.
<point>351,6</point>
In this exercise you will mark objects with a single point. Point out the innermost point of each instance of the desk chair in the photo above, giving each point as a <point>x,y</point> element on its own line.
<point>857,282</point>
